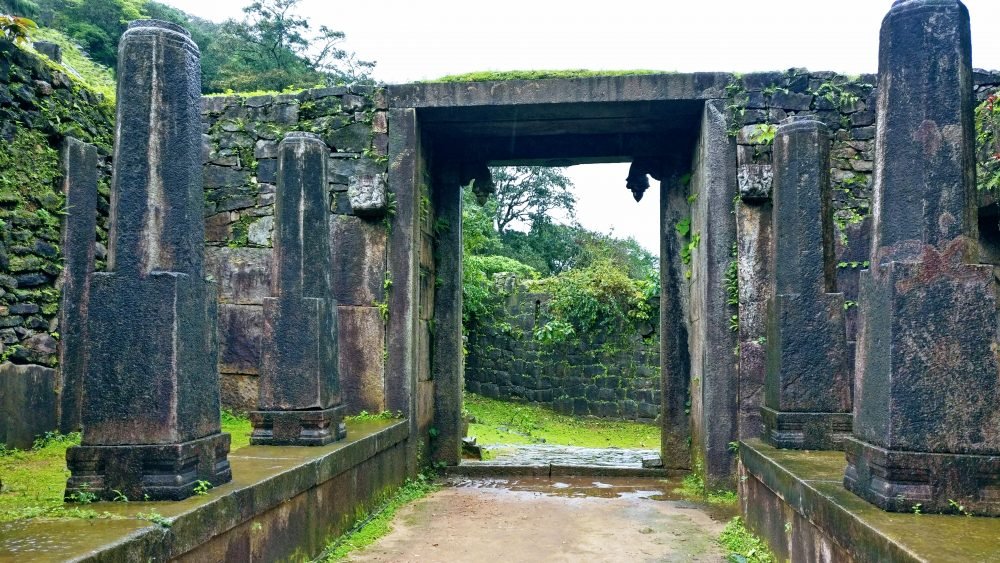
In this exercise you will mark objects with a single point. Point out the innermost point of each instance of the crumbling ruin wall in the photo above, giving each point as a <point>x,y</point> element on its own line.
<point>241,166</point>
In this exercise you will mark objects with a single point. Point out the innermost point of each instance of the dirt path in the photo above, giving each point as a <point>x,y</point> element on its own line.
<point>578,520</point>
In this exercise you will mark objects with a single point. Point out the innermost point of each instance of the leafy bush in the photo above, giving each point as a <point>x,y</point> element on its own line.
<point>600,296</point>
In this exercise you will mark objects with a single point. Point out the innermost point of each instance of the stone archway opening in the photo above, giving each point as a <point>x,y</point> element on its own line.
<point>448,134</point>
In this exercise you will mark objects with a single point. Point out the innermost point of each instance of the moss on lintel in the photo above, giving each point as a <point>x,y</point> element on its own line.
<point>494,75</point>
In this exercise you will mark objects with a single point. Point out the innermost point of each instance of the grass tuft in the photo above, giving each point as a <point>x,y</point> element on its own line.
<point>378,523</point>
<point>743,546</point>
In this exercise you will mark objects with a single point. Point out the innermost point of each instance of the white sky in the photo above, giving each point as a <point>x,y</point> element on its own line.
<point>422,40</point>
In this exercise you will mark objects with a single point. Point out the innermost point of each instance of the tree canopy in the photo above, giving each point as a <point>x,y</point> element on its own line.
<point>272,47</point>
<point>529,193</point>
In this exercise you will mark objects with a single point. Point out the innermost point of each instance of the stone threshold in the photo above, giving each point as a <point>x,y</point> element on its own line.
<point>480,469</point>
<point>780,490</point>
<point>264,477</point>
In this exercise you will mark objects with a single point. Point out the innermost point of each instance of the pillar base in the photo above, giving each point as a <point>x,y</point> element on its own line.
<point>806,430</point>
<point>148,472</point>
<point>897,481</point>
<point>298,428</point>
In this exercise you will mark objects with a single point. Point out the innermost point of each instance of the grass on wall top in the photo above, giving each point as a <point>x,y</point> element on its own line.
<point>499,75</point>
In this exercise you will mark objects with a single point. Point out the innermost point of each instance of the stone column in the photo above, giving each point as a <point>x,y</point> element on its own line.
<point>807,386</point>
<point>151,390</point>
<point>927,426</point>
<point>448,359</point>
<point>79,168</point>
<point>300,400</point>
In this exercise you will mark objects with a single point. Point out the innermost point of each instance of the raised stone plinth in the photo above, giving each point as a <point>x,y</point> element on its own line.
<point>927,426</point>
<point>807,388</point>
<point>300,399</point>
<point>151,388</point>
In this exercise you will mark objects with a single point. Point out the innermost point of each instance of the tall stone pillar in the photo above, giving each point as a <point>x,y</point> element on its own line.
<point>927,426</point>
<point>79,168</point>
<point>151,390</point>
<point>807,386</point>
<point>300,399</point>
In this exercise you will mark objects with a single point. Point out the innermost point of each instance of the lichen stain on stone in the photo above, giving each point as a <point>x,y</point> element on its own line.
<point>929,136</point>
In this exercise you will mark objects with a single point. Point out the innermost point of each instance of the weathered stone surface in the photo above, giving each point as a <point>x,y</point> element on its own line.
<point>926,426</point>
<point>239,392</point>
<point>807,371</point>
<point>755,181</point>
<point>151,409</point>
<point>299,383</point>
<point>713,405</point>
<point>79,167</point>
<point>259,232</point>
<point>243,274</point>
<point>359,260</point>
<point>367,194</point>
<point>362,364</point>
<point>30,391</point>
<point>240,330</point>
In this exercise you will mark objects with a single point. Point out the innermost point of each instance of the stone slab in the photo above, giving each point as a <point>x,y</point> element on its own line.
<point>29,403</point>
<point>240,332</point>
<point>243,274</point>
<point>362,359</point>
<point>359,260</point>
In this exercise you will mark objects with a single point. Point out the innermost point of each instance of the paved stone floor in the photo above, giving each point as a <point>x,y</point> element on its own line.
<point>537,519</point>
<point>544,454</point>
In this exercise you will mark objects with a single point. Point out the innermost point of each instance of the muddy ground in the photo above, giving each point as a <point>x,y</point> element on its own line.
<point>567,519</point>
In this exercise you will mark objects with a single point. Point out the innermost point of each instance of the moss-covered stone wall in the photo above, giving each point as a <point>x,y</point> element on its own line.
<point>40,105</point>
<point>608,374</point>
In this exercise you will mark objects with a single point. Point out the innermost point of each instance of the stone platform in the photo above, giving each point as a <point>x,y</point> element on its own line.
<point>796,501</point>
<point>283,503</point>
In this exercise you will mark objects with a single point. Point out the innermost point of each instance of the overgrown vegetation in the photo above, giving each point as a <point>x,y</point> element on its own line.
<point>502,422</point>
<point>271,47</point>
<point>497,75</point>
<point>370,526</point>
<point>742,546</point>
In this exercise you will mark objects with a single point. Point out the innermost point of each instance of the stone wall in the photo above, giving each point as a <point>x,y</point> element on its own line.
<point>756,103</point>
<point>604,375</point>
<point>41,105</point>
<point>240,165</point>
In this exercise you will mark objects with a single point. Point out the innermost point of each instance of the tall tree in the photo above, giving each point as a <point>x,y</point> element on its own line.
<point>528,193</point>
<point>275,48</point>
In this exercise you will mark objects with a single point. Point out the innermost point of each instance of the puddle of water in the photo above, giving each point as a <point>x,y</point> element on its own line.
<point>637,488</point>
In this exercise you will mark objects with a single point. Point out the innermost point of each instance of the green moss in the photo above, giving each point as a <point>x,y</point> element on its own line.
<point>742,545</point>
<point>494,75</point>
<point>378,523</point>
<point>501,422</point>
<point>365,416</point>
<point>94,76</point>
